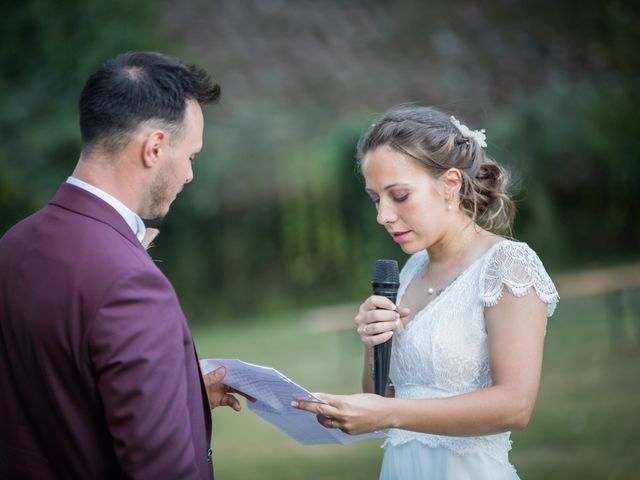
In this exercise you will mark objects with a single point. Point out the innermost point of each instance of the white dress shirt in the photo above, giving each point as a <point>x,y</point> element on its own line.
<point>133,220</point>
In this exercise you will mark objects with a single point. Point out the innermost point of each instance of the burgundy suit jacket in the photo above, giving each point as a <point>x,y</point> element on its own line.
<point>99,378</point>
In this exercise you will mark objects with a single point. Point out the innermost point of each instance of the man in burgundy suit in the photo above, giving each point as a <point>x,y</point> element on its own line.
<point>99,378</point>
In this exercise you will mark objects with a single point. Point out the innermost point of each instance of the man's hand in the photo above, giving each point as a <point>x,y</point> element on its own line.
<point>218,393</point>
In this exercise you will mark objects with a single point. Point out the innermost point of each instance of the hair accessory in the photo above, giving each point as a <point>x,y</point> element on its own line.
<point>477,135</point>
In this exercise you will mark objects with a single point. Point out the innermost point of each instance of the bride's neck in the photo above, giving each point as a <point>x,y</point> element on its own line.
<point>457,244</point>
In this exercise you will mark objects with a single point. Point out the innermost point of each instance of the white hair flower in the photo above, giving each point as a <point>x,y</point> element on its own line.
<point>477,135</point>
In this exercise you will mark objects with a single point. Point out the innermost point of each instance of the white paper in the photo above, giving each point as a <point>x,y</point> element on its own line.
<point>273,393</point>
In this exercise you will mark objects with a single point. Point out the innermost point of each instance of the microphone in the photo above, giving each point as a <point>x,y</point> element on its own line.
<point>385,282</point>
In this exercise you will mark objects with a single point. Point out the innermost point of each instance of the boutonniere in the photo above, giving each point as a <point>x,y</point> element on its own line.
<point>149,235</point>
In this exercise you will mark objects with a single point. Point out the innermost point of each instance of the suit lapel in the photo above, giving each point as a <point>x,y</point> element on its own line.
<point>80,201</point>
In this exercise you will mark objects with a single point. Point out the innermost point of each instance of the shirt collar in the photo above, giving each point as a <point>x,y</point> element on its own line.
<point>133,220</point>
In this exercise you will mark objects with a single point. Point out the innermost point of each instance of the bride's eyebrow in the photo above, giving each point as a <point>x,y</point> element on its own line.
<point>398,184</point>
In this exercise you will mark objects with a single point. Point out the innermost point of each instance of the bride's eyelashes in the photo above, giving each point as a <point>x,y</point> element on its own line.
<point>397,198</point>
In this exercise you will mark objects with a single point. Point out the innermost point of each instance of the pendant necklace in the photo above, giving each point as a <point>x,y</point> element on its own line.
<point>431,290</point>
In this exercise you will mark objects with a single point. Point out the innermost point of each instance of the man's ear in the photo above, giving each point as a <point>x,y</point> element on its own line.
<point>153,147</point>
<point>452,183</point>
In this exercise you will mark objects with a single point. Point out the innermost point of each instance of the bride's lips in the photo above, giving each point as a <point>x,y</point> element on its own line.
<point>400,237</point>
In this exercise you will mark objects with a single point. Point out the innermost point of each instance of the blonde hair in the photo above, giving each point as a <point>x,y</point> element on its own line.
<point>429,137</point>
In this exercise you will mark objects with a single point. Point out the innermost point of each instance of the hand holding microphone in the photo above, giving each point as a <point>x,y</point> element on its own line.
<point>378,317</point>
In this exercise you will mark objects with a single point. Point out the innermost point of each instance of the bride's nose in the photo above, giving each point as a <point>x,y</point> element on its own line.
<point>386,213</point>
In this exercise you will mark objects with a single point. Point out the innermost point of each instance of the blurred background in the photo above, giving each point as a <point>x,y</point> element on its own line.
<point>272,246</point>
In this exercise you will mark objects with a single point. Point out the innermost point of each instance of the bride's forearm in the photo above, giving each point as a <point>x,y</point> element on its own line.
<point>483,412</point>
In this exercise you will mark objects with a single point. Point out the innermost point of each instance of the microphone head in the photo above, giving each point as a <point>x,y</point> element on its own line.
<point>385,271</point>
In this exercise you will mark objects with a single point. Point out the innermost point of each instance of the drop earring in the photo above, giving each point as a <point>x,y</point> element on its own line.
<point>449,207</point>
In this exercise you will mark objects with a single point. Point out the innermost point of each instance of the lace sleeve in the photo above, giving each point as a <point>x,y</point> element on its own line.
<point>516,266</point>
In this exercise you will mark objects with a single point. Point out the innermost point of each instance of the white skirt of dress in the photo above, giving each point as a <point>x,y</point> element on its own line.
<point>414,460</point>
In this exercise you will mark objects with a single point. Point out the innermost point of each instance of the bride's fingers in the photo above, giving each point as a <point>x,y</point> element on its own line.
<point>376,302</point>
<point>379,302</point>
<point>378,339</point>
<point>377,328</point>
<point>376,316</point>
<point>323,409</point>
<point>381,316</point>
<point>328,422</point>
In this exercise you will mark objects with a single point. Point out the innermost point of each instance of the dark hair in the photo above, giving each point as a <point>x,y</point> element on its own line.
<point>430,137</point>
<point>136,87</point>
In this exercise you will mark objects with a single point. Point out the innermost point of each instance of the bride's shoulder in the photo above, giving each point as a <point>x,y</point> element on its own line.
<point>517,266</point>
<point>506,250</point>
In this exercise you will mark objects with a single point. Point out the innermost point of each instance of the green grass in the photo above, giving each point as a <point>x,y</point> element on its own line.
<point>586,423</point>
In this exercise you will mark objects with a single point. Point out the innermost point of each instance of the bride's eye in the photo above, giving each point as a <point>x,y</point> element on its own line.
<point>400,198</point>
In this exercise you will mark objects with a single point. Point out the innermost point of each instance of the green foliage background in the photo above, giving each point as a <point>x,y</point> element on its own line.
<point>276,217</point>
<point>47,50</point>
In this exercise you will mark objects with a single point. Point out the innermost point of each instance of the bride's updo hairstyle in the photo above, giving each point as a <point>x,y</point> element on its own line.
<point>439,142</point>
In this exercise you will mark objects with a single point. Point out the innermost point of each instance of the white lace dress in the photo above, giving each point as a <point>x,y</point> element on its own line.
<point>443,352</point>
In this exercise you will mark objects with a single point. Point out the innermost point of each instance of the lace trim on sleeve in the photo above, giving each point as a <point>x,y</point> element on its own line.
<point>516,266</point>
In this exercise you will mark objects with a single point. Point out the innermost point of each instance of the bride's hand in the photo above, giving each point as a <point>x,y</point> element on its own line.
<point>353,414</point>
<point>377,318</point>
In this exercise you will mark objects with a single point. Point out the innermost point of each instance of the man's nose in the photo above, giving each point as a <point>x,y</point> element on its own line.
<point>189,174</point>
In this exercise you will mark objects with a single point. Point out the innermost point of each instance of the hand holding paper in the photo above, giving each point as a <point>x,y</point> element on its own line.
<point>274,393</point>
<point>218,394</point>
<point>354,414</point>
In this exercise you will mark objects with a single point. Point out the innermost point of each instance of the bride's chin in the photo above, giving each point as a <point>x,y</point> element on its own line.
<point>411,248</point>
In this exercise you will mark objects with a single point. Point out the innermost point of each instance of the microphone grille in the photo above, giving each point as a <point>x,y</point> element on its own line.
<point>386,271</point>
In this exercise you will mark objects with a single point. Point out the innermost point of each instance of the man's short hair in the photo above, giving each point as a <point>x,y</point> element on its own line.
<point>134,88</point>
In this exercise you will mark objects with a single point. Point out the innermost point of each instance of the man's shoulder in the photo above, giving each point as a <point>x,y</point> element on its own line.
<point>18,235</point>
<point>75,241</point>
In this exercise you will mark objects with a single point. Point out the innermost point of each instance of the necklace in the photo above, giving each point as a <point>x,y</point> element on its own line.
<point>431,290</point>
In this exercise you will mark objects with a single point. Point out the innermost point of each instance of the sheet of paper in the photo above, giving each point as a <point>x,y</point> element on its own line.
<point>273,393</point>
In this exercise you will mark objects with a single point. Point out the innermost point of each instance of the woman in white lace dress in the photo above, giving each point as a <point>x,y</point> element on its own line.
<point>472,307</point>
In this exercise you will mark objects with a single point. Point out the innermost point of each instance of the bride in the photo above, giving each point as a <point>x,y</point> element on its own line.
<point>471,313</point>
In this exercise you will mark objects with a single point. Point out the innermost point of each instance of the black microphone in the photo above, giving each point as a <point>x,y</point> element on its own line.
<point>385,282</point>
